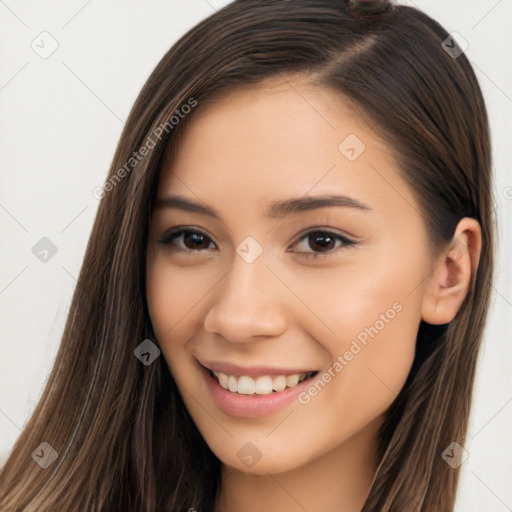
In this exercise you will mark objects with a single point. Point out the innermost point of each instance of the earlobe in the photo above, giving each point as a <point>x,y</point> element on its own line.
<point>451,279</point>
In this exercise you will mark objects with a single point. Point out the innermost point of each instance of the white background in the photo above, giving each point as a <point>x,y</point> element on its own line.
<point>60,121</point>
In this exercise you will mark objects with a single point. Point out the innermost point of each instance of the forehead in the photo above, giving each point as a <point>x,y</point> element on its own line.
<point>258,141</point>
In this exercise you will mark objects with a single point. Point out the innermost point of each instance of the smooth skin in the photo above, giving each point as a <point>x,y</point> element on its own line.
<point>272,142</point>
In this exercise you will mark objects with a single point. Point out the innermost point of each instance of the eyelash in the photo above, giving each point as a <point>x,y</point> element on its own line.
<point>168,237</point>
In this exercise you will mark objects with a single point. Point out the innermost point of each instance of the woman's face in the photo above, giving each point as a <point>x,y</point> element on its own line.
<point>285,243</point>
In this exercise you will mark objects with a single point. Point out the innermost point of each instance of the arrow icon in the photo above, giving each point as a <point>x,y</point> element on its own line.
<point>44,455</point>
<point>44,250</point>
<point>147,352</point>
<point>249,454</point>
<point>249,253</point>
<point>351,147</point>
<point>454,45</point>
<point>454,455</point>
<point>45,45</point>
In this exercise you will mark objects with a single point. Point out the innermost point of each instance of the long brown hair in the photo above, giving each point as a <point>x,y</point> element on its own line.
<point>123,436</point>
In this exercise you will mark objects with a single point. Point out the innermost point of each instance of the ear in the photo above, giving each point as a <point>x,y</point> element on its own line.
<point>451,279</point>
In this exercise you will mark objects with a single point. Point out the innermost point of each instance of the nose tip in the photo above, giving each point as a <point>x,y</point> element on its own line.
<point>241,326</point>
<point>247,305</point>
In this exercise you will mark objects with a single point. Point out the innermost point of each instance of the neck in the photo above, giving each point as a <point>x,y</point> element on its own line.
<point>337,481</point>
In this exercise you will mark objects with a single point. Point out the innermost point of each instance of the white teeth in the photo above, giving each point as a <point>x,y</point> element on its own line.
<point>232,384</point>
<point>223,379</point>
<point>292,380</point>
<point>263,385</point>
<point>246,385</point>
<point>279,383</point>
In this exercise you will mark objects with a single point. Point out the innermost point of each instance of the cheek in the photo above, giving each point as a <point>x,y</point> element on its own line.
<point>172,293</point>
<point>174,296</point>
<point>162,299</point>
<point>169,299</point>
<point>370,314</point>
<point>377,361</point>
<point>363,295</point>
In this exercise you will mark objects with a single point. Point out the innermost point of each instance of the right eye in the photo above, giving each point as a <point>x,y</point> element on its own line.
<point>188,240</point>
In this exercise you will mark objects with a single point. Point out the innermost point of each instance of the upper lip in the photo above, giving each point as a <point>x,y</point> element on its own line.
<point>252,371</point>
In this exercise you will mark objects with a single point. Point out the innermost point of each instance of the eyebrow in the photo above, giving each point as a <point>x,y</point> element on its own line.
<point>278,209</point>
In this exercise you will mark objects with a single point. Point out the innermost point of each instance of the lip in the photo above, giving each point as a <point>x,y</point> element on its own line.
<point>253,371</point>
<point>251,406</point>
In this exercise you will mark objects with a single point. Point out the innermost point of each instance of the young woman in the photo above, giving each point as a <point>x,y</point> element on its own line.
<point>283,296</point>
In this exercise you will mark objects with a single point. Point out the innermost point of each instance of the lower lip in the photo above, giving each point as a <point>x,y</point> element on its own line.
<point>251,406</point>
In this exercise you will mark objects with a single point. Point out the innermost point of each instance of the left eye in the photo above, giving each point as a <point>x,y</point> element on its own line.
<point>321,242</point>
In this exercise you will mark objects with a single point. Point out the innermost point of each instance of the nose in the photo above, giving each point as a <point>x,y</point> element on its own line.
<point>248,303</point>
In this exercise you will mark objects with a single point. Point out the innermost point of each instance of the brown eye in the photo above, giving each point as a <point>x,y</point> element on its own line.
<point>193,240</point>
<point>187,239</point>
<point>319,243</point>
